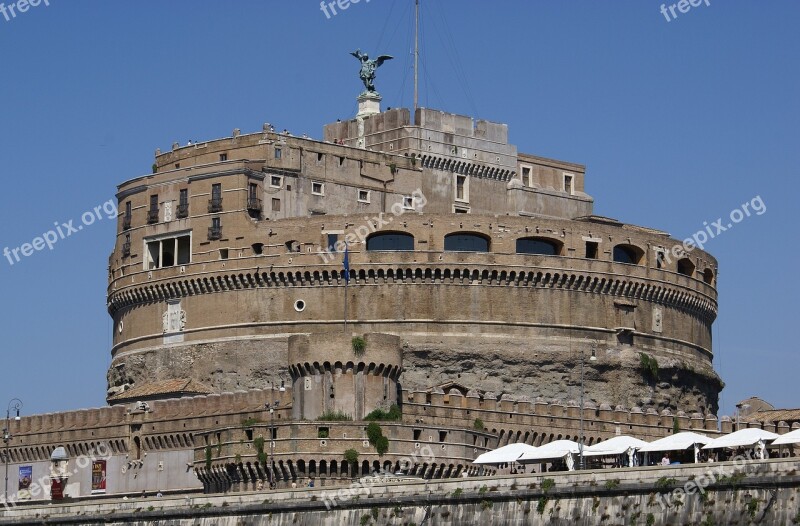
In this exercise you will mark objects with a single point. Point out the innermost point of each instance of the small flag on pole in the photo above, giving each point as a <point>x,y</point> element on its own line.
<point>346,265</point>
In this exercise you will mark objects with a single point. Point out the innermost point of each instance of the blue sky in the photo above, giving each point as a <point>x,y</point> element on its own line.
<point>678,122</point>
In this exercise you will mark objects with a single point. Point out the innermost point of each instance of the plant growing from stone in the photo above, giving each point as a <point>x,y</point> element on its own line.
<point>359,346</point>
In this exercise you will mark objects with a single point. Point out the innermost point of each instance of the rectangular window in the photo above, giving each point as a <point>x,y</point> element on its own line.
<point>184,196</point>
<point>183,203</point>
<point>276,205</point>
<point>363,196</point>
<point>223,157</point>
<point>168,252</point>
<point>462,188</point>
<point>152,214</point>
<point>591,250</point>
<point>278,153</point>
<point>408,202</point>
<point>215,203</point>
<point>318,188</point>
<point>659,259</point>
<point>276,181</point>
<point>126,220</point>
<point>568,184</point>
<point>215,230</point>
<point>252,191</point>
<point>526,176</point>
<point>333,239</point>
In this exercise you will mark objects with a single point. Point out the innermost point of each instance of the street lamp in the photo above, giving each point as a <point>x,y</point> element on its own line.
<point>592,358</point>
<point>271,407</point>
<point>15,404</point>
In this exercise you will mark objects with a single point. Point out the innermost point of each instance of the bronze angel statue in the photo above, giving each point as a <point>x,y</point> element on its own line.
<point>368,67</point>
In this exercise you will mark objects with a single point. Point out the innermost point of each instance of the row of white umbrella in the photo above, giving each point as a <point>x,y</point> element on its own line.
<point>619,445</point>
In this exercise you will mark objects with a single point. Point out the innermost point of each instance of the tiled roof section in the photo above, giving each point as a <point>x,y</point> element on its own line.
<point>776,415</point>
<point>178,386</point>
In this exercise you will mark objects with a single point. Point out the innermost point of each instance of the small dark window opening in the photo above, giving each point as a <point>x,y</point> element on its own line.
<point>223,157</point>
<point>278,153</point>
<point>397,241</point>
<point>442,436</point>
<point>466,243</point>
<point>223,253</point>
<point>659,260</point>
<point>686,267</point>
<point>627,254</point>
<point>292,246</point>
<point>249,434</point>
<point>258,248</point>
<point>341,161</point>
<point>546,247</point>
<point>417,434</point>
<point>333,239</point>
<point>708,276</point>
<point>591,249</point>
<point>320,156</point>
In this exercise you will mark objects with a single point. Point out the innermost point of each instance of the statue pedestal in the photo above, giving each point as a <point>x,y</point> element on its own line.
<point>369,103</point>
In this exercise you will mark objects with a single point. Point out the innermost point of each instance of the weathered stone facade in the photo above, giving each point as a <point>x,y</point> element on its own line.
<point>225,251</point>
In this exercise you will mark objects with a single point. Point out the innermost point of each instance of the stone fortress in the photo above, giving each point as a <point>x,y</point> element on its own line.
<point>478,282</point>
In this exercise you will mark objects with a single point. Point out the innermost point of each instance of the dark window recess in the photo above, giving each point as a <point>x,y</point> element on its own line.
<point>215,230</point>
<point>333,239</point>
<point>442,436</point>
<point>223,157</point>
<point>545,247</point>
<point>278,153</point>
<point>659,260</point>
<point>276,204</point>
<point>223,253</point>
<point>417,434</point>
<point>126,219</point>
<point>292,246</point>
<point>258,248</point>
<point>253,201</point>
<point>126,246</point>
<point>390,241</point>
<point>215,203</point>
<point>686,267</point>
<point>591,250</point>
<point>152,213</point>
<point>168,252</point>
<point>183,203</point>
<point>466,243</point>
<point>627,254</point>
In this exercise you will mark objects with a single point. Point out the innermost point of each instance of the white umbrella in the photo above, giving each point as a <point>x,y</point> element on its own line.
<point>505,454</point>
<point>748,437</point>
<point>614,446</point>
<point>677,442</point>
<point>551,451</point>
<point>789,438</point>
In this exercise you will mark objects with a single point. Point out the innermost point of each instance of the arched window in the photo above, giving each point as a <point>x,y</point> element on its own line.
<point>538,245</point>
<point>466,242</point>
<point>708,276</point>
<point>685,267</point>
<point>628,254</point>
<point>399,241</point>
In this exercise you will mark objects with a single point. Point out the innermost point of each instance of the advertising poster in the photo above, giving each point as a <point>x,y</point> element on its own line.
<point>98,476</point>
<point>57,489</point>
<point>25,479</point>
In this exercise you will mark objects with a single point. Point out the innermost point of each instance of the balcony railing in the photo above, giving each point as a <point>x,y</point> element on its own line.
<point>126,249</point>
<point>152,216</point>
<point>254,204</point>
<point>126,222</point>
<point>183,210</point>
<point>214,205</point>
<point>214,232</point>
